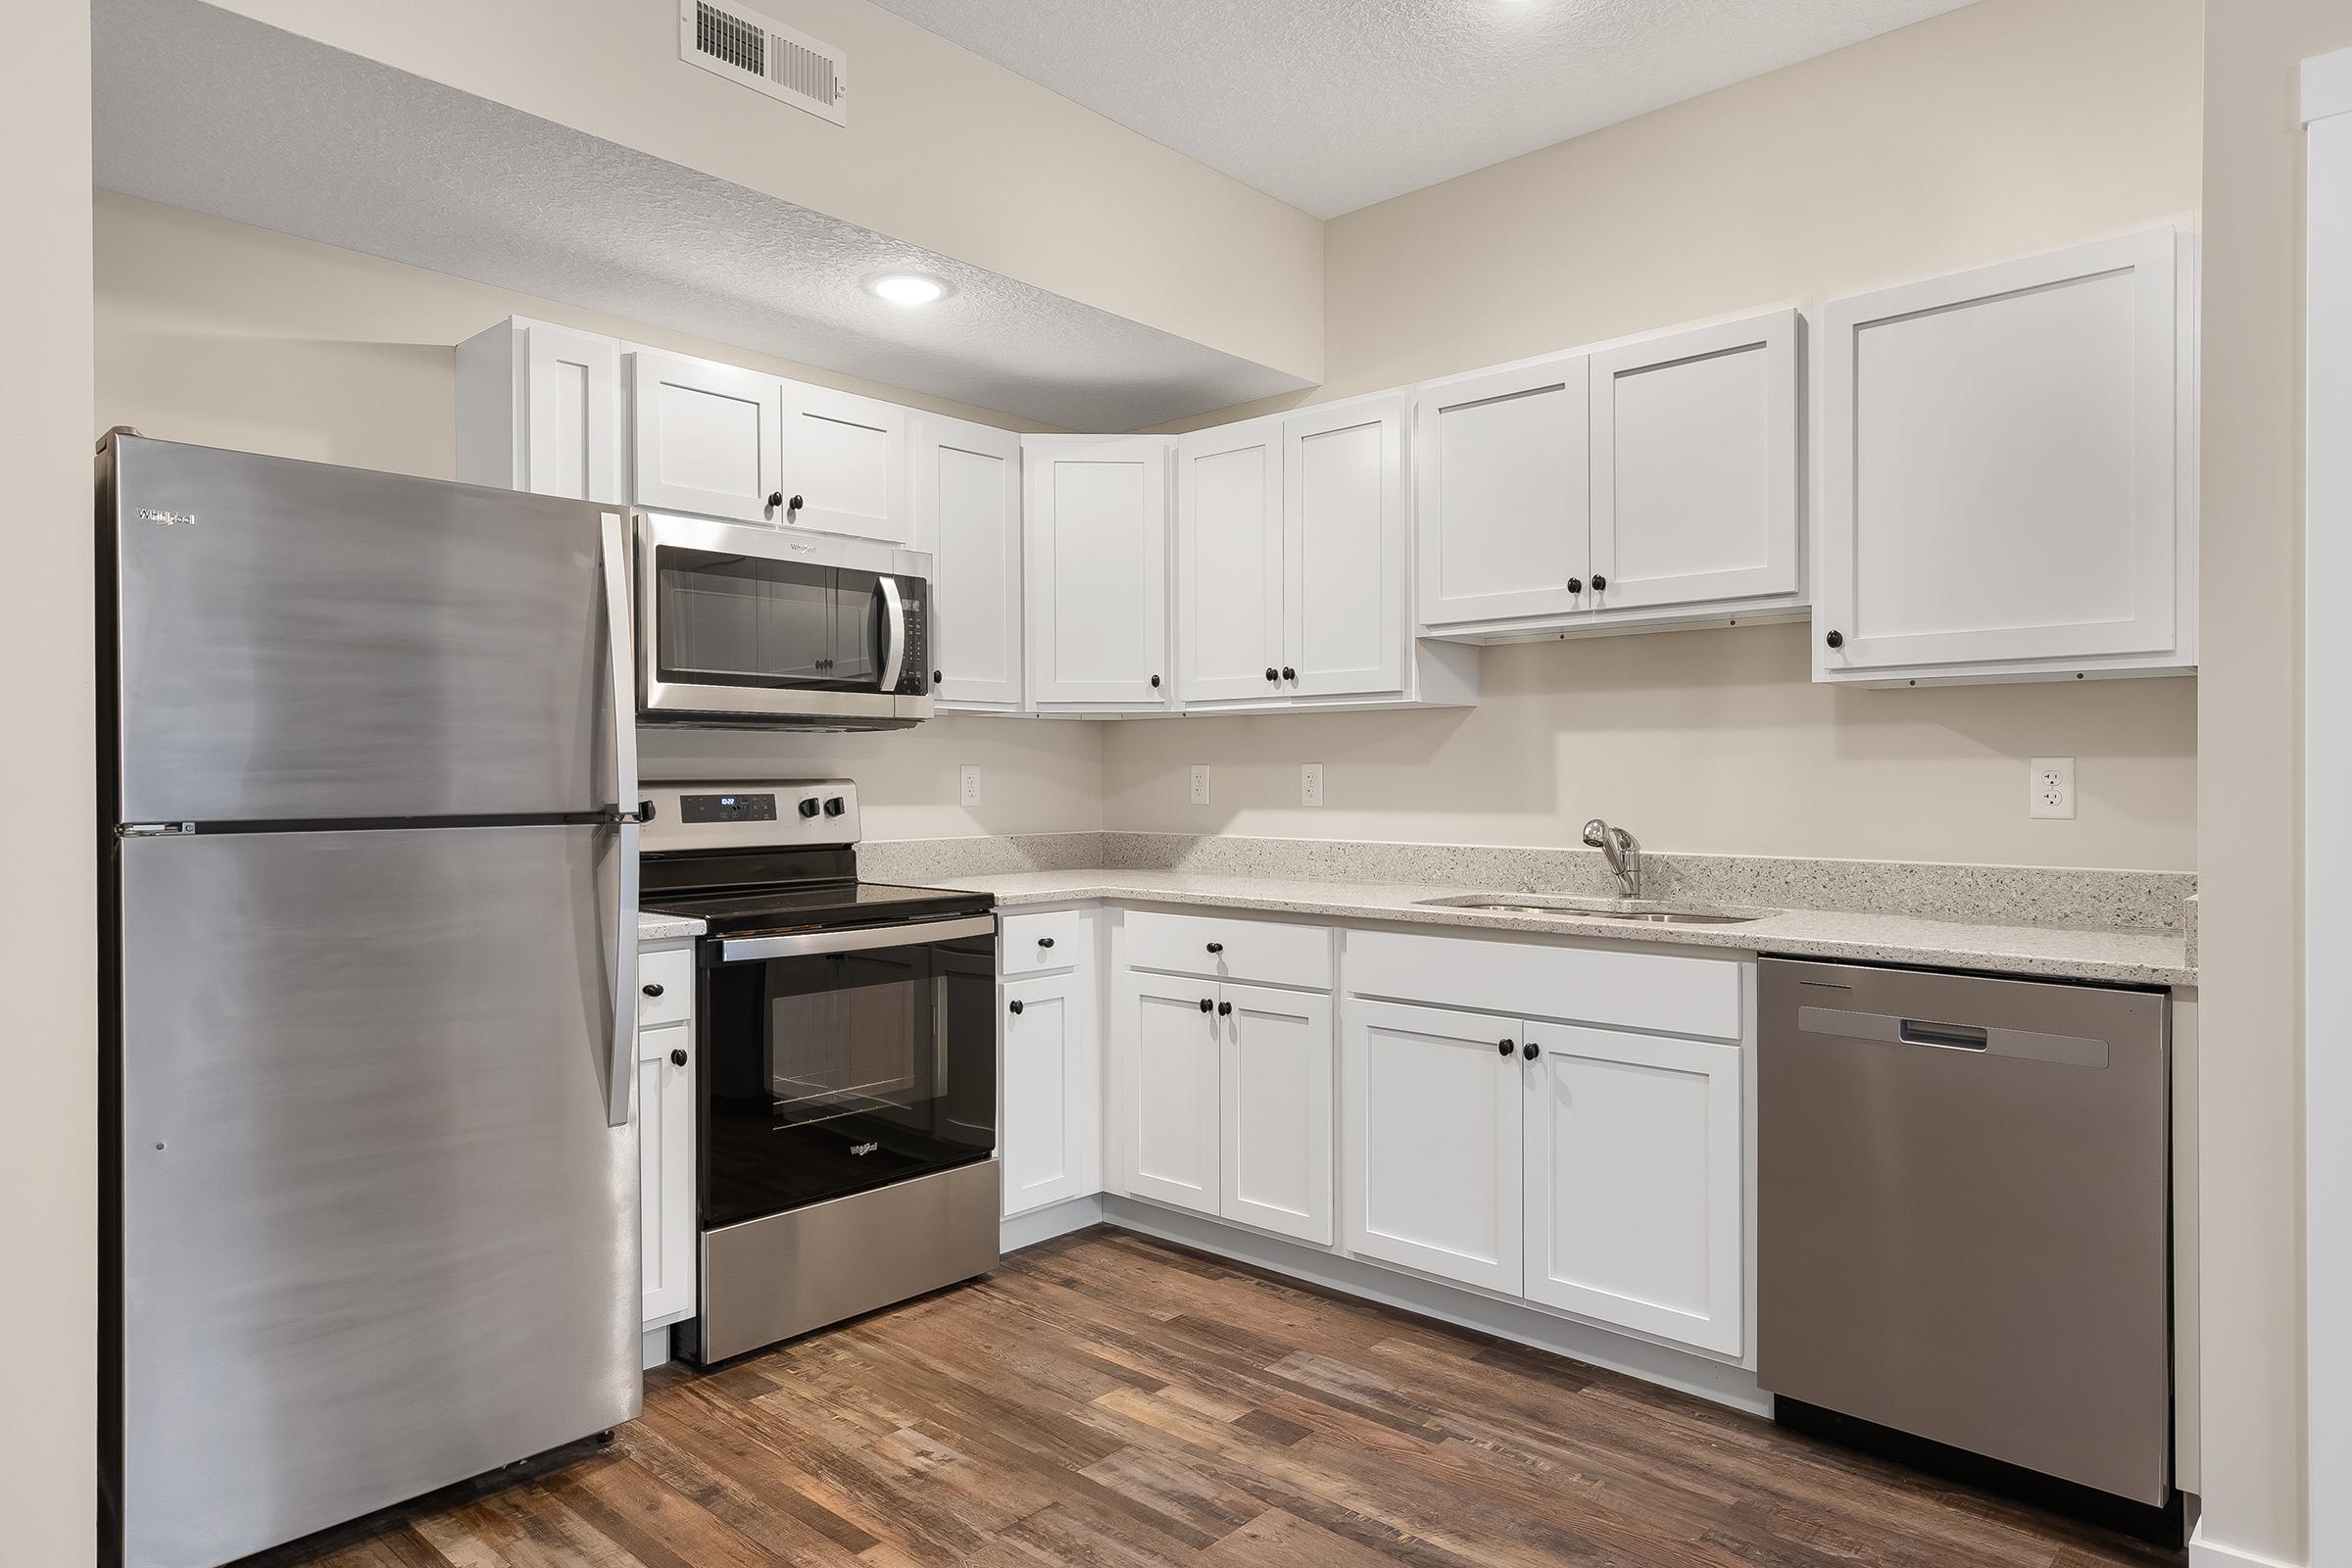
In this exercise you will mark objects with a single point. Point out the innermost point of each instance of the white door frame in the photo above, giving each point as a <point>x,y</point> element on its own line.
<point>2327,835</point>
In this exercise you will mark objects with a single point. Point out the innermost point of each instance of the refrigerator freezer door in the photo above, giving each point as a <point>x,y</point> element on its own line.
<point>376,1235</point>
<point>298,642</point>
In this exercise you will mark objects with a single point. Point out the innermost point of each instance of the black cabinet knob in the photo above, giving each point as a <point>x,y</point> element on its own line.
<point>835,806</point>
<point>1288,673</point>
<point>1835,639</point>
<point>1206,1005</point>
<point>1531,1051</point>
<point>651,988</point>
<point>1506,1047</point>
<point>1575,585</point>
<point>1016,1007</point>
<point>809,806</point>
<point>1156,683</point>
<point>796,504</point>
<point>1224,1009</point>
<point>1600,582</point>
<point>937,678</point>
<point>1045,942</point>
<point>1217,946</point>
<point>775,499</point>
<point>1272,673</point>
<point>677,1057</point>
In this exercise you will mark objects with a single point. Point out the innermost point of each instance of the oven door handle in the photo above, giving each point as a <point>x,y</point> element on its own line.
<point>894,631</point>
<point>800,943</point>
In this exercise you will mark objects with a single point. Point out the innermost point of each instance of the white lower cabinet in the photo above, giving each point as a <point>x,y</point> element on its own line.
<point>1632,1158</point>
<point>1275,1110</point>
<point>1048,1135</point>
<point>1432,1131</point>
<point>665,1111</point>
<point>1167,1035</point>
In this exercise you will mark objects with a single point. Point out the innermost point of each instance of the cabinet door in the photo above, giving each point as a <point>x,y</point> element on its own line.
<point>1276,1121</point>
<point>706,437</point>
<point>1999,463</point>
<point>1049,1121</point>
<point>666,1165</point>
<point>1095,539</point>
<point>1344,541</point>
<point>1431,1178</point>
<point>1228,567</point>
<point>1501,461</point>
<point>1168,1089</point>
<point>967,510</point>
<point>1694,466</point>
<point>844,457</point>
<point>1633,1176</point>
<point>570,434</point>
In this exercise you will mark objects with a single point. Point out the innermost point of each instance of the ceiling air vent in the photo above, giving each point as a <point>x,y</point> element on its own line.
<point>742,45</point>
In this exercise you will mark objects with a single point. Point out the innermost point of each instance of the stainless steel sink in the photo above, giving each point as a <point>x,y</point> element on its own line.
<point>1643,912</point>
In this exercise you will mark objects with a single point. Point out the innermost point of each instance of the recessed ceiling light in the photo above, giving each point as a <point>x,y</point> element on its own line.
<point>907,288</point>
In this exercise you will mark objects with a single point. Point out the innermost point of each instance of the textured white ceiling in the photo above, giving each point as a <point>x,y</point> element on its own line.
<point>204,110</point>
<point>1332,104</point>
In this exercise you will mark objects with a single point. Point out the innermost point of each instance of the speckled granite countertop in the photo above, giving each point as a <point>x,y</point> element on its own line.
<point>653,927</point>
<point>2158,957</point>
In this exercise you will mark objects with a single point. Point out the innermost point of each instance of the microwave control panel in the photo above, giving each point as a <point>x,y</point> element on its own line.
<point>914,668</point>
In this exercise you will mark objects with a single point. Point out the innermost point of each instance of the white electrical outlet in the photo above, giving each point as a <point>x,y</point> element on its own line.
<point>1200,783</point>
<point>1310,784</point>
<point>967,789</point>
<point>2053,787</point>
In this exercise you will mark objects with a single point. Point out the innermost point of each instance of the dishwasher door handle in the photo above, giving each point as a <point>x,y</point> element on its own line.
<point>2066,1051</point>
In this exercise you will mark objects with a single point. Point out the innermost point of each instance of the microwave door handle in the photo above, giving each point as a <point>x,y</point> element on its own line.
<point>621,1049</point>
<point>894,631</point>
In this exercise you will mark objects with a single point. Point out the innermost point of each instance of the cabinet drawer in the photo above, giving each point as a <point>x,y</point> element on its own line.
<point>665,986</point>
<point>1040,944</point>
<point>1266,952</point>
<point>1655,991</point>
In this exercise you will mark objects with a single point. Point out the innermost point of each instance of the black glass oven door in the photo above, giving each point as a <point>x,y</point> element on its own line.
<point>828,1073</point>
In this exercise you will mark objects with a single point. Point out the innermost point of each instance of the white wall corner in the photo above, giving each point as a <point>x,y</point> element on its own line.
<point>2207,1553</point>
<point>2326,85</point>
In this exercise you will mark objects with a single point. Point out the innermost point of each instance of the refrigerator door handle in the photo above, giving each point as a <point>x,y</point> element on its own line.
<point>621,1057</point>
<point>894,637</point>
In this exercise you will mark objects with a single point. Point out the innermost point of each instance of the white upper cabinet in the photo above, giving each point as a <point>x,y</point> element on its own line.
<point>1094,546</point>
<point>967,513</point>
<point>1230,563</point>
<point>706,437</point>
<point>1633,1211</point>
<point>1694,467</point>
<point>539,409</point>
<point>845,463</point>
<point>1502,467</point>
<point>2004,453</point>
<point>1344,548</point>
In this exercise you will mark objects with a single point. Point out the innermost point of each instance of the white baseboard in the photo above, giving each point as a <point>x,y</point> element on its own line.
<point>2208,1553</point>
<point>656,1347</point>
<point>1696,1375</point>
<point>1044,1224</point>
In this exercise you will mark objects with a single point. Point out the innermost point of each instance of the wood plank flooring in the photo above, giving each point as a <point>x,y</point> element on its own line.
<point>1107,1400</point>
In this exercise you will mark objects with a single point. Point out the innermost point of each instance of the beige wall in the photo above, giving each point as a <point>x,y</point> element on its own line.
<point>2249,805</point>
<point>2002,128</point>
<point>226,335</point>
<point>49,920</point>
<point>943,150</point>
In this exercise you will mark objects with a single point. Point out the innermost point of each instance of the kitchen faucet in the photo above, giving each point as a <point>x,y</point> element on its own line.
<point>1621,849</point>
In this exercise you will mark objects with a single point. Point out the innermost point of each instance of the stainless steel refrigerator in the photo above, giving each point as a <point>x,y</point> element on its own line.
<point>371,1187</point>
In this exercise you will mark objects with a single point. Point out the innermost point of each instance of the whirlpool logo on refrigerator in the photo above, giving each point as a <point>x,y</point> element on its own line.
<point>168,518</point>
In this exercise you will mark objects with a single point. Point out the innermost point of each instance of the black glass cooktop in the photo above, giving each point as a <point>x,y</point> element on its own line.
<point>813,905</point>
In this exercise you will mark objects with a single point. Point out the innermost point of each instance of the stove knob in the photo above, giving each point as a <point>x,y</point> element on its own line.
<point>809,806</point>
<point>836,806</point>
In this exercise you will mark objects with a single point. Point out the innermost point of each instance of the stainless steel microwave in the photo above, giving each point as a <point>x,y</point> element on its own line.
<point>742,626</point>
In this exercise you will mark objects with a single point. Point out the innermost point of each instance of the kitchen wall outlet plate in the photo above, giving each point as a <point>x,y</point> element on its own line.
<point>2052,782</point>
<point>967,785</point>
<point>1200,783</point>
<point>1310,784</point>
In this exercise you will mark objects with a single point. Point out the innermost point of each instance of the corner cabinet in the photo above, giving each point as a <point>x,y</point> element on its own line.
<point>1094,548</point>
<point>665,1113</point>
<point>2008,483</point>
<point>968,516</point>
<point>539,409</point>
<point>1642,485</point>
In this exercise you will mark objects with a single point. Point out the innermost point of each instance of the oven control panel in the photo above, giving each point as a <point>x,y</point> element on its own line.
<point>754,814</point>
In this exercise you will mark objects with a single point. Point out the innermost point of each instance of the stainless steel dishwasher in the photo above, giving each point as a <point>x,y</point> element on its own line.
<point>1963,1215</point>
